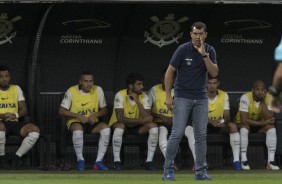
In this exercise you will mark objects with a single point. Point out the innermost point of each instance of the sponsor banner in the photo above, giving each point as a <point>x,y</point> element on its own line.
<point>81,37</point>
<point>245,39</point>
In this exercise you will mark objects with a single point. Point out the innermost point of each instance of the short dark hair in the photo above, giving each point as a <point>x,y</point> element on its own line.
<point>4,68</point>
<point>133,77</point>
<point>86,72</point>
<point>199,25</point>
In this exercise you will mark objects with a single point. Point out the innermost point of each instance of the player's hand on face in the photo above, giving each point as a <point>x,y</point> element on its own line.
<point>263,96</point>
<point>213,122</point>
<point>133,95</point>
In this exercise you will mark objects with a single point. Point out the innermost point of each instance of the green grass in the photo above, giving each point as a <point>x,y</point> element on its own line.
<point>136,176</point>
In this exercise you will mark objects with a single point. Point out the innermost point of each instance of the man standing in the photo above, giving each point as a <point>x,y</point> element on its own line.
<point>192,61</point>
<point>13,106</point>
<point>84,105</point>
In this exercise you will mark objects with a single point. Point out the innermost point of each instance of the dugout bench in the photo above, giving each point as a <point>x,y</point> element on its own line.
<point>222,140</point>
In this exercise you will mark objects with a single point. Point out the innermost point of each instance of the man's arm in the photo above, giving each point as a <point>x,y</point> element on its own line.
<point>266,113</point>
<point>246,120</point>
<point>226,116</point>
<point>22,111</point>
<point>66,113</point>
<point>102,112</point>
<point>211,67</point>
<point>169,79</point>
<point>121,118</point>
<point>164,118</point>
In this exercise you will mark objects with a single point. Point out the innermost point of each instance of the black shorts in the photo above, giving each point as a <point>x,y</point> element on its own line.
<point>13,127</point>
<point>87,127</point>
<point>255,129</point>
<point>132,130</point>
<point>217,130</point>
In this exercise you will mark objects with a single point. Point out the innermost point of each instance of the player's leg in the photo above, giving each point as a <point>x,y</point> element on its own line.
<point>235,144</point>
<point>244,137</point>
<point>117,143</point>
<point>200,120</point>
<point>271,143</point>
<point>103,144</point>
<point>77,140</point>
<point>152,128</point>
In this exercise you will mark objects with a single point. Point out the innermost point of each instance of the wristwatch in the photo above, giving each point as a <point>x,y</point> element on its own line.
<point>205,55</point>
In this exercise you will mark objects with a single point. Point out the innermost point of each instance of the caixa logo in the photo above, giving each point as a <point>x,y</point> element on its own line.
<point>7,31</point>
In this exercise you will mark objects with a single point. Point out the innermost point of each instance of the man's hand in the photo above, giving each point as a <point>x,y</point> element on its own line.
<point>10,116</point>
<point>92,118</point>
<point>83,119</point>
<point>201,48</point>
<point>263,97</point>
<point>147,119</point>
<point>270,121</point>
<point>133,95</point>
<point>216,122</point>
<point>165,119</point>
<point>169,103</point>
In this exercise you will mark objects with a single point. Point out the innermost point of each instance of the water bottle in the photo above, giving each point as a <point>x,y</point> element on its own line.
<point>278,52</point>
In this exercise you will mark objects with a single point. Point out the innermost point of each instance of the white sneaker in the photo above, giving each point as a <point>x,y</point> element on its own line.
<point>272,166</point>
<point>245,165</point>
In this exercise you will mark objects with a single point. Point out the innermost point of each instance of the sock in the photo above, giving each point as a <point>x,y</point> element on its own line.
<point>235,145</point>
<point>77,140</point>
<point>163,139</point>
<point>117,141</point>
<point>271,142</point>
<point>189,133</point>
<point>244,133</point>
<point>27,143</point>
<point>152,143</point>
<point>2,142</point>
<point>103,143</point>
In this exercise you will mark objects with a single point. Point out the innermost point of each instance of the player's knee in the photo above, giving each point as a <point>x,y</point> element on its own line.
<point>35,128</point>
<point>106,131</point>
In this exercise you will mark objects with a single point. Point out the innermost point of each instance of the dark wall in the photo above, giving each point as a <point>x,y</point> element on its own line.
<point>18,26</point>
<point>113,40</point>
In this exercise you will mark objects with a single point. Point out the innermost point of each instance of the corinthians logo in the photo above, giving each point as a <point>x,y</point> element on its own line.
<point>166,31</point>
<point>7,29</point>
